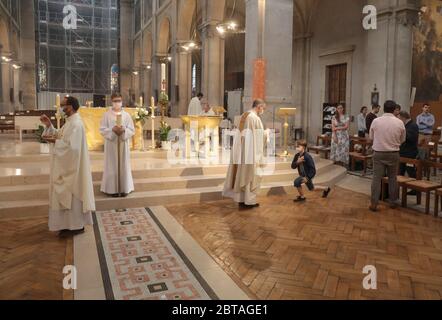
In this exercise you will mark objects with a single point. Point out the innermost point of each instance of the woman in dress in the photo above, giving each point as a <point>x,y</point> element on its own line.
<point>340,138</point>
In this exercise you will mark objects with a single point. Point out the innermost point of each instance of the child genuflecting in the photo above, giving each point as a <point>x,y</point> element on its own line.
<point>305,164</point>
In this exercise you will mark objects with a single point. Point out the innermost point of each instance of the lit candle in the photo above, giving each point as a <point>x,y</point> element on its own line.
<point>152,102</point>
<point>141,101</point>
<point>57,101</point>
<point>119,119</point>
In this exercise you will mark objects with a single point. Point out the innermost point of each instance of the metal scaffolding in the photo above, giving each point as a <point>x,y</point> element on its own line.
<point>80,60</point>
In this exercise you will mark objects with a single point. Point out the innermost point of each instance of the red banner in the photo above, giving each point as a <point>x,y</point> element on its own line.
<point>259,79</point>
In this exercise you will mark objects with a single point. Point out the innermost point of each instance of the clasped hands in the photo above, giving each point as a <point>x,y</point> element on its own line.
<point>47,122</point>
<point>118,130</point>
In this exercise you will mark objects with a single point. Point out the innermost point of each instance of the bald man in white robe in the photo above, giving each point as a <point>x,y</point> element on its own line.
<point>247,159</point>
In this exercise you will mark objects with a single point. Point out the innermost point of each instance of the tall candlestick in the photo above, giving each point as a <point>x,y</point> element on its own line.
<point>58,114</point>
<point>152,107</point>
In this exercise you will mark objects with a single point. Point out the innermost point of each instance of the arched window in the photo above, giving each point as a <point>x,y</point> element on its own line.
<point>194,78</point>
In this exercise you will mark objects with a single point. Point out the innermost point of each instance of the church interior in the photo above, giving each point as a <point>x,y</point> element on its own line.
<point>175,235</point>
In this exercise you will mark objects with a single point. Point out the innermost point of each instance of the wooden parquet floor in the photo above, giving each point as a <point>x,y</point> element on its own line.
<point>317,250</point>
<point>32,261</point>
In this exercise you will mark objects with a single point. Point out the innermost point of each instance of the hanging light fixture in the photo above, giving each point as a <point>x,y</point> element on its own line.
<point>230,26</point>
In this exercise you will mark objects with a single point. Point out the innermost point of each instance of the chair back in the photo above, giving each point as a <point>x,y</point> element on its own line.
<point>419,164</point>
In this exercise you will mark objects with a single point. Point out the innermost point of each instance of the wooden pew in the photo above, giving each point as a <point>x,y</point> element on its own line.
<point>323,143</point>
<point>360,155</point>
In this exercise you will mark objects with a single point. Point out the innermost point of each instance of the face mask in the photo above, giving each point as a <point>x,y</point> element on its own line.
<point>117,105</point>
<point>63,112</point>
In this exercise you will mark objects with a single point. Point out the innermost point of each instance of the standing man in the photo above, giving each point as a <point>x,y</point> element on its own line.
<point>71,196</point>
<point>117,175</point>
<point>409,149</point>
<point>371,116</point>
<point>362,124</point>
<point>388,134</point>
<point>206,109</point>
<point>425,121</point>
<point>195,107</point>
<point>243,176</point>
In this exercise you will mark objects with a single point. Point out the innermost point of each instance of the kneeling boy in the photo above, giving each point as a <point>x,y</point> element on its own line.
<point>305,164</point>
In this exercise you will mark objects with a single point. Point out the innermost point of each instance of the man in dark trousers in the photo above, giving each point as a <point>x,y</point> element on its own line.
<point>409,149</point>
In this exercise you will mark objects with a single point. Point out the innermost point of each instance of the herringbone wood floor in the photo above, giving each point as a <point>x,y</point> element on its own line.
<point>317,250</point>
<point>32,261</point>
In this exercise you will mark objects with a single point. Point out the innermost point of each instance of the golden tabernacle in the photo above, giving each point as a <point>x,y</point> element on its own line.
<point>199,124</point>
<point>92,117</point>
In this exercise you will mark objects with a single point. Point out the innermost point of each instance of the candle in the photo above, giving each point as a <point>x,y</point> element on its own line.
<point>152,102</point>
<point>141,101</point>
<point>57,101</point>
<point>119,119</point>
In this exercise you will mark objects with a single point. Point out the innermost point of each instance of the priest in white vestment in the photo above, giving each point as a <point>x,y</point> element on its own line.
<point>115,134</point>
<point>247,159</point>
<point>71,196</point>
<point>206,109</point>
<point>195,107</point>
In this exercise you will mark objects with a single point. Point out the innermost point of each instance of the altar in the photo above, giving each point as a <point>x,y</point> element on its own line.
<point>204,128</point>
<point>91,119</point>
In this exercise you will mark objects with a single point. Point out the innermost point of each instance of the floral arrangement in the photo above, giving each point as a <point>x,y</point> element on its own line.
<point>164,99</point>
<point>39,134</point>
<point>164,131</point>
<point>140,115</point>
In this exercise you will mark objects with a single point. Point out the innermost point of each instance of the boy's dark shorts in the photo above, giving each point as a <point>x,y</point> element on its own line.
<point>301,180</point>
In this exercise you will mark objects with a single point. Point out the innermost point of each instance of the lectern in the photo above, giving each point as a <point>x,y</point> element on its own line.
<point>286,113</point>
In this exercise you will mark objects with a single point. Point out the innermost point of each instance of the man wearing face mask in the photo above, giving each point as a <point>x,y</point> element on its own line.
<point>247,159</point>
<point>117,181</point>
<point>71,196</point>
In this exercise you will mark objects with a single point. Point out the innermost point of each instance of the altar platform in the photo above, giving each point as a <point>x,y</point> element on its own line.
<point>24,178</point>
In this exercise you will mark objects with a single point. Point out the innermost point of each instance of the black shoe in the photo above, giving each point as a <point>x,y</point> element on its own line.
<point>75,232</point>
<point>123,195</point>
<point>115,195</point>
<point>300,199</point>
<point>326,192</point>
<point>248,206</point>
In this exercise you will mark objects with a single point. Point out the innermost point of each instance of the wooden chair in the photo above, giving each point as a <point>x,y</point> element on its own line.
<point>361,155</point>
<point>401,180</point>
<point>423,186</point>
<point>323,143</point>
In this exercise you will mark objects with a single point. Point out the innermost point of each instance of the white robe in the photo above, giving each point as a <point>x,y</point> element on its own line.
<point>71,195</point>
<point>109,184</point>
<point>210,113</point>
<point>247,160</point>
<point>195,107</point>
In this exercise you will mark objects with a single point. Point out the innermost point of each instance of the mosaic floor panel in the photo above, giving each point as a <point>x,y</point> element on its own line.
<point>139,260</point>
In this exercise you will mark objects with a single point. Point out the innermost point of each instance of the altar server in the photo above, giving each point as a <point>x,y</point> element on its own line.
<point>195,107</point>
<point>117,175</point>
<point>71,197</point>
<point>247,159</point>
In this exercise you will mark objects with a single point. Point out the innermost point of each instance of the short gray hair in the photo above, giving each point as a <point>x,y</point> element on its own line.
<point>257,103</point>
<point>405,115</point>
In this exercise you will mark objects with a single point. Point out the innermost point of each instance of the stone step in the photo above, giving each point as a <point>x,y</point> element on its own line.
<point>20,209</point>
<point>22,177</point>
<point>40,191</point>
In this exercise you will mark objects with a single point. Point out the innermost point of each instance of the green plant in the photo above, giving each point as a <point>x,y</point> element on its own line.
<point>164,131</point>
<point>164,99</point>
<point>39,134</point>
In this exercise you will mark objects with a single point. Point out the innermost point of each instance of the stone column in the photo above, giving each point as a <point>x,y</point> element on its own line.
<point>28,80</point>
<point>126,47</point>
<point>212,84</point>
<point>269,36</point>
<point>184,82</point>
<point>389,52</point>
<point>5,103</point>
